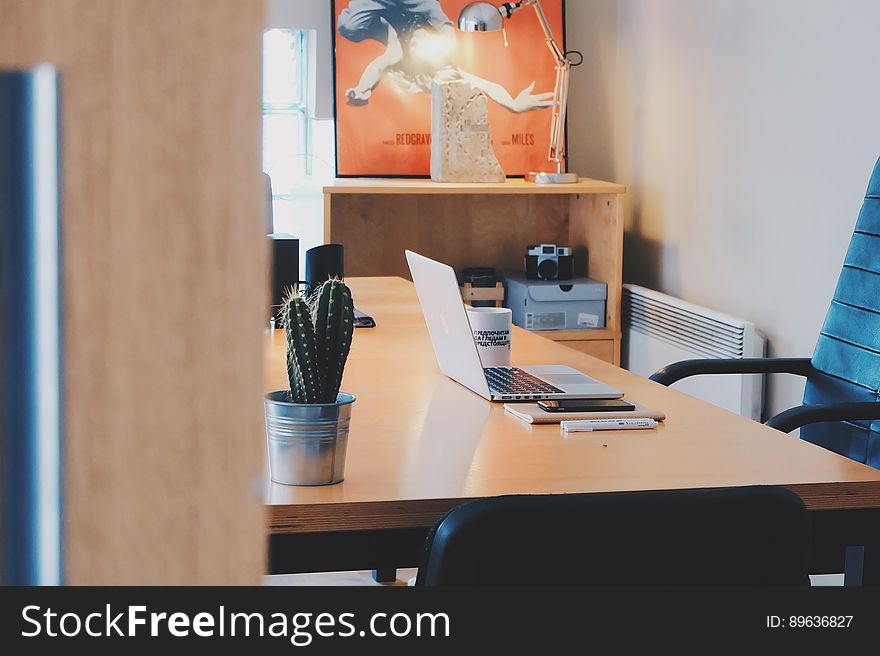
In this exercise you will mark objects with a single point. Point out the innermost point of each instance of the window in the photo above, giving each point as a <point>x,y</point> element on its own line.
<point>298,149</point>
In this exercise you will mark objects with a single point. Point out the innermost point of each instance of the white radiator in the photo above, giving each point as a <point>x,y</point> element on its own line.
<point>659,330</point>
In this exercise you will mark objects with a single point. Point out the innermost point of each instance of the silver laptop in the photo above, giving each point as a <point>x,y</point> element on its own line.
<point>457,354</point>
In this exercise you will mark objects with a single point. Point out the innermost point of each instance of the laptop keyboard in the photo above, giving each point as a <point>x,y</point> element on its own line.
<point>516,381</point>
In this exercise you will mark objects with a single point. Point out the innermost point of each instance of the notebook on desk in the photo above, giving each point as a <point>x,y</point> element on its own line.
<point>533,414</point>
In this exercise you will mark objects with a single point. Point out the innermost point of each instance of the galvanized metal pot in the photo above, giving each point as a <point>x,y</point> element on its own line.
<point>307,441</point>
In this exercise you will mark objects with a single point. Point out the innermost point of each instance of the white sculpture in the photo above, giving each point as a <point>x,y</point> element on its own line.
<point>461,140</point>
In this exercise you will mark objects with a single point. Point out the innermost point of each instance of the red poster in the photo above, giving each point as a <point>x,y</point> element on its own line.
<point>389,52</point>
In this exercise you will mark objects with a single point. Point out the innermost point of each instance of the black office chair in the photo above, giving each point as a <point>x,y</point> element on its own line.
<point>729,536</point>
<point>843,376</point>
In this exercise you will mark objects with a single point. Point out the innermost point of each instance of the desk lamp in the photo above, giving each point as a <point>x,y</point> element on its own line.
<point>486,17</point>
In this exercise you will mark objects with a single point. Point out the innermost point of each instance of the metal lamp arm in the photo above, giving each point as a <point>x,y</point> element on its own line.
<point>560,92</point>
<point>507,10</point>
<point>548,33</point>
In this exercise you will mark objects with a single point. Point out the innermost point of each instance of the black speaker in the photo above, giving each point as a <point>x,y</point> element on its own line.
<point>285,267</point>
<point>324,262</point>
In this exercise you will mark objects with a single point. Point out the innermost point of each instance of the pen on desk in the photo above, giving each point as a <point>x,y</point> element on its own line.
<point>587,425</point>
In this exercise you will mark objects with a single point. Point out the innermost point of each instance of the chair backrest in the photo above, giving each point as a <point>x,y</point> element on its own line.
<point>847,356</point>
<point>730,536</point>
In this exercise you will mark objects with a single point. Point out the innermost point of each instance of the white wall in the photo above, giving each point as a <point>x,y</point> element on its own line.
<point>310,15</point>
<point>746,131</point>
<point>591,27</point>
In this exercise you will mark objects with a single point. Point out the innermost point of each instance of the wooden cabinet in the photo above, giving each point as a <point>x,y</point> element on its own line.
<point>483,224</point>
<point>598,348</point>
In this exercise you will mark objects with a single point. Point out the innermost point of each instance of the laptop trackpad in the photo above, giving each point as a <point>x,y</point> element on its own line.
<point>567,381</point>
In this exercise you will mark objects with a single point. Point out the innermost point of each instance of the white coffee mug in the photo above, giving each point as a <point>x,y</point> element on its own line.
<point>491,328</point>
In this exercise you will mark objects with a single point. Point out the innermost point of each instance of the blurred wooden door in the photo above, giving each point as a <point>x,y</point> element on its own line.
<point>163,282</point>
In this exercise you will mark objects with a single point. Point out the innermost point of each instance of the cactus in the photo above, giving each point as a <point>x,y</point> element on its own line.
<point>333,318</point>
<point>319,333</point>
<point>302,351</point>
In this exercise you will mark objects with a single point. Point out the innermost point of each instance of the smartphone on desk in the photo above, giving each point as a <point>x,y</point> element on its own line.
<point>586,405</point>
<point>362,320</point>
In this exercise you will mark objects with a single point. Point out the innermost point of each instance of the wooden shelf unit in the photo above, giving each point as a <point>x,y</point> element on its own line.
<point>484,224</point>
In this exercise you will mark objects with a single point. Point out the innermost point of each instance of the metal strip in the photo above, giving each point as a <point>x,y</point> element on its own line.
<point>30,328</point>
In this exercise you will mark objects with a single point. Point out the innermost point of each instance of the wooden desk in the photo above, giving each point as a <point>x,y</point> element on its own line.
<point>420,443</point>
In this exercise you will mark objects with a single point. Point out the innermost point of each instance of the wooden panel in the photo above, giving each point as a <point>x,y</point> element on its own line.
<point>602,349</point>
<point>409,462</point>
<point>308,517</point>
<point>597,221</point>
<point>424,186</point>
<point>579,335</point>
<point>164,279</point>
<point>461,231</point>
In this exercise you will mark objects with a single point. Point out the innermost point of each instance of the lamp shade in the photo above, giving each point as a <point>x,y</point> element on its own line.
<point>480,17</point>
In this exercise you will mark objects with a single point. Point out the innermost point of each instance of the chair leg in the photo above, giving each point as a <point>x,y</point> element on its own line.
<point>853,567</point>
<point>871,565</point>
<point>385,575</point>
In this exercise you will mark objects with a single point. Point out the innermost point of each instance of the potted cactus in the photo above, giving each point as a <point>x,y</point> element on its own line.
<point>307,425</point>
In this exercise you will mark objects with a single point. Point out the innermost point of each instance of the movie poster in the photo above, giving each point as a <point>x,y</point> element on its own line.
<point>389,52</point>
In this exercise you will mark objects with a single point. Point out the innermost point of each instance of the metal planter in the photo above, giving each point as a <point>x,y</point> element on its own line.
<point>307,442</point>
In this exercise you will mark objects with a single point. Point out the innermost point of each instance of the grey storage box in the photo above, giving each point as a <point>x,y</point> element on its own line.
<point>555,304</point>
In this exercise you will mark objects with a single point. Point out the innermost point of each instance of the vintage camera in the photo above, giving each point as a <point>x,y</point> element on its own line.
<point>548,262</point>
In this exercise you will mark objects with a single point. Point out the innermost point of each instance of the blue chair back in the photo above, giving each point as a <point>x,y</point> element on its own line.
<point>847,356</point>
